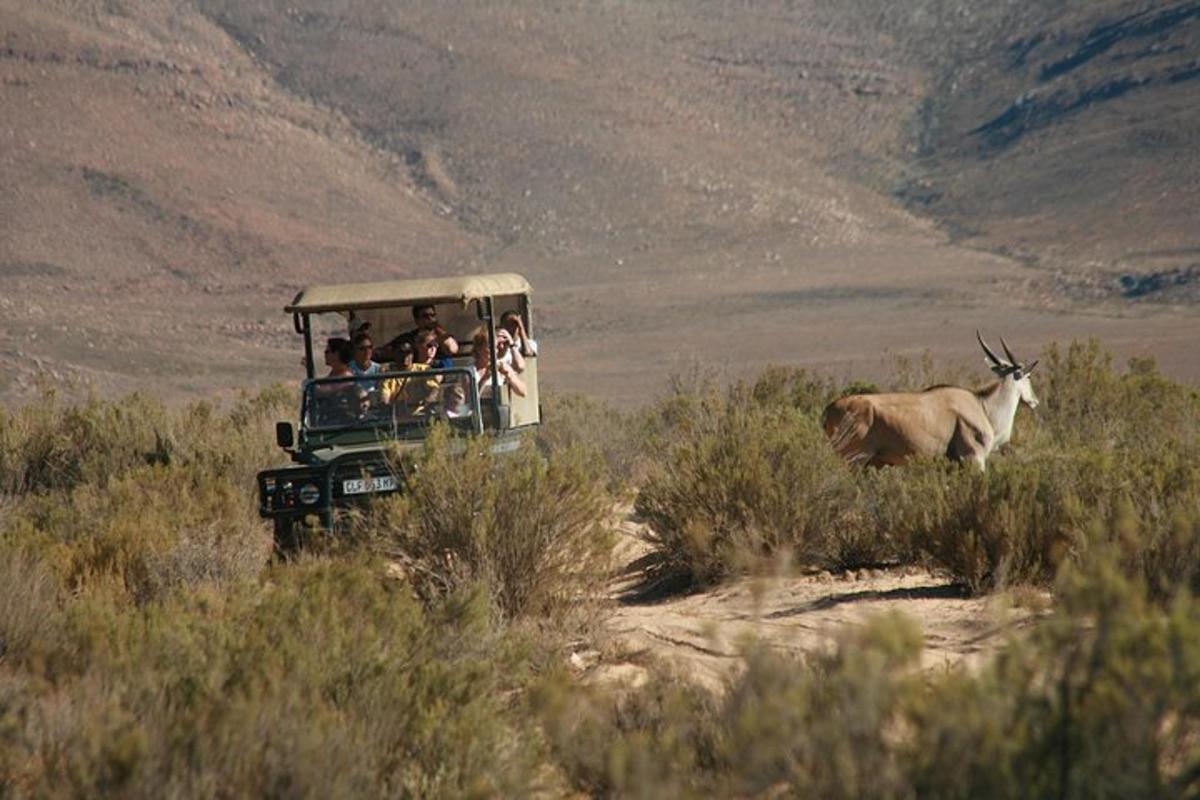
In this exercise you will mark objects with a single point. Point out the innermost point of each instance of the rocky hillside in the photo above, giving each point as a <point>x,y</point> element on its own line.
<point>799,182</point>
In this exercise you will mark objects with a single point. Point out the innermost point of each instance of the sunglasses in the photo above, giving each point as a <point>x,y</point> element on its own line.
<point>428,345</point>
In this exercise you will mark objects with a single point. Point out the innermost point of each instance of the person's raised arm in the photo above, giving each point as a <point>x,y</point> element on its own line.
<point>513,380</point>
<point>446,343</point>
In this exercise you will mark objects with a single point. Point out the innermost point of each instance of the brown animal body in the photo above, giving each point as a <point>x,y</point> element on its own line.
<point>960,424</point>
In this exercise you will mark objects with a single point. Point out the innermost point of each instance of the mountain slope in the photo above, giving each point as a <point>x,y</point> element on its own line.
<point>811,182</point>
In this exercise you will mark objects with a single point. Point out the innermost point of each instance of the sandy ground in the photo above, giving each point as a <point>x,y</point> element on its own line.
<point>703,634</point>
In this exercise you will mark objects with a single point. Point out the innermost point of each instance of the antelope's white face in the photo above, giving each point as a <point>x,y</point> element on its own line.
<point>1011,369</point>
<point>1025,386</point>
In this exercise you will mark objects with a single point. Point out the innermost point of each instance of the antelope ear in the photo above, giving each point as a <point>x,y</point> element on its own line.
<point>1029,369</point>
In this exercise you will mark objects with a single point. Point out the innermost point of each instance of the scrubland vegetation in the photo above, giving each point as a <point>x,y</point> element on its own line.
<point>747,475</point>
<point>151,647</point>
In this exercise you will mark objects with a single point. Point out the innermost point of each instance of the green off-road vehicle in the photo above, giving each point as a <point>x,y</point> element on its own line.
<point>351,427</point>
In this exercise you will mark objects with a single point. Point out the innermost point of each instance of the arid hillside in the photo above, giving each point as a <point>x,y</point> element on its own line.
<point>810,183</point>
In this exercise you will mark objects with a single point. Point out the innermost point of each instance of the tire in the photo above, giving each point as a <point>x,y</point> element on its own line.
<point>288,536</point>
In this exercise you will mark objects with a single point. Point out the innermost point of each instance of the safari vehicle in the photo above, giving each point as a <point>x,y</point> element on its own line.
<point>350,428</point>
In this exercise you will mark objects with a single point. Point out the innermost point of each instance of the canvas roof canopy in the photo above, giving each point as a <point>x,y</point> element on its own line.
<point>462,289</point>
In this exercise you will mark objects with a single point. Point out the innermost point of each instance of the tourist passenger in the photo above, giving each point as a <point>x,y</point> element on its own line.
<point>332,401</point>
<point>356,325</point>
<point>454,401</point>
<point>402,357</point>
<point>505,374</point>
<point>511,321</point>
<point>507,352</point>
<point>364,349</point>
<point>338,355</point>
<point>416,393</point>
<point>426,319</point>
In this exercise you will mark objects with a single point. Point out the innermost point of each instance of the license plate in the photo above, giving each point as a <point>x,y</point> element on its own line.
<point>383,483</point>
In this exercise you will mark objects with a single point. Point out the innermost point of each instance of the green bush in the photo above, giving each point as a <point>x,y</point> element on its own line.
<point>532,528</point>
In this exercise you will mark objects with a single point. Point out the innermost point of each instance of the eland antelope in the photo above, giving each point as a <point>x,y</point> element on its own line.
<point>963,425</point>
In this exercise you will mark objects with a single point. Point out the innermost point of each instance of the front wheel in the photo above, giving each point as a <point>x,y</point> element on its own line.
<point>287,536</point>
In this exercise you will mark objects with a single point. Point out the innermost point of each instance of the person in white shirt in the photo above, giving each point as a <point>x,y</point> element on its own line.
<point>507,352</point>
<point>483,369</point>
<point>511,321</point>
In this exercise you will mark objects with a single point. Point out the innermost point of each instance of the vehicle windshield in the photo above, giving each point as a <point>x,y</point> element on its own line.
<point>392,400</point>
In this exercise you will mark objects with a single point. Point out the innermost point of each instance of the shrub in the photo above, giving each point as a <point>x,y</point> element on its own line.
<point>46,446</point>
<point>744,481</point>
<point>327,680</point>
<point>532,528</point>
<point>1098,701</point>
<point>622,439</point>
<point>29,603</point>
<point>747,475</point>
<point>144,533</point>
<point>133,497</point>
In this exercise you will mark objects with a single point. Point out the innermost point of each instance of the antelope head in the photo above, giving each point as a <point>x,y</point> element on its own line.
<point>1012,369</point>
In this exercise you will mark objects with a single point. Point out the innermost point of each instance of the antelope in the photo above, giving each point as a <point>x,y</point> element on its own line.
<point>961,424</point>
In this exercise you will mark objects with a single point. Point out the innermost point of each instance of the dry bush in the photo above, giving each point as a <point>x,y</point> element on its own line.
<point>46,445</point>
<point>787,387</point>
<point>327,680</point>
<point>145,533</point>
<point>29,602</point>
<point>1097,701</point>
<point>745,481</point>
<point>531,528</point>
<point>748,475</point>
<point>782,728</point>
<point>624,440</point>
<point>136,498</point>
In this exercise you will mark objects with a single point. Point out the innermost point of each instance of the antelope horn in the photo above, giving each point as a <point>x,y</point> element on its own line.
<point>995,359</point>
<point>1012,359</point>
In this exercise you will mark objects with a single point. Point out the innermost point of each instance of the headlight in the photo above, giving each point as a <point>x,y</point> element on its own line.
<point>309,493</point>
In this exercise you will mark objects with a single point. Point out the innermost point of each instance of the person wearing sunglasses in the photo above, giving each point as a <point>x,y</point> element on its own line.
<point>418,394</point>
<point>426,319</point>
<point>363,362</point>
<point>331,402</point>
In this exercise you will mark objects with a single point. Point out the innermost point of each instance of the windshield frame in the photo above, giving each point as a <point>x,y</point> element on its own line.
<point>390,424</point>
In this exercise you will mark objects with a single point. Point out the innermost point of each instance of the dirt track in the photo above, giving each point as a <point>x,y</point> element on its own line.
<point>702,633</point>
